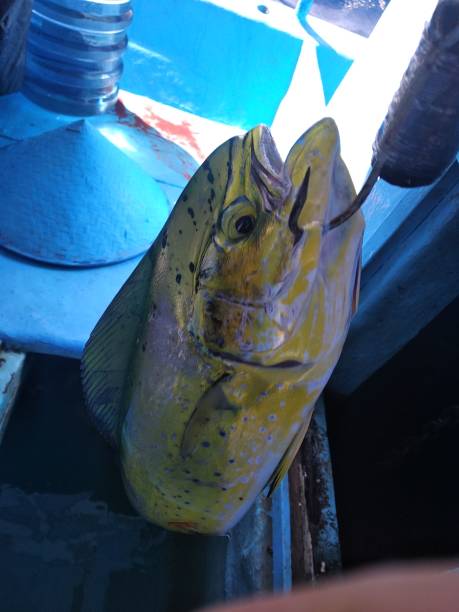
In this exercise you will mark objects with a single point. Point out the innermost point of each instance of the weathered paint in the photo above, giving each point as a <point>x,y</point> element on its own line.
<point>386,209</point>
<point>411,274</point>
<point>11,366</point>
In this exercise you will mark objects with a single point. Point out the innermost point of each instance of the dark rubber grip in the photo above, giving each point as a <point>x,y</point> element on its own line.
<point>419,137</point>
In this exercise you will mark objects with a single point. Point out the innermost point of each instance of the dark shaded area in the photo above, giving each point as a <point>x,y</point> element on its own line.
<point>69,539</point>
<point>14,25</point>
<point>395,452</point>
<point>50,445</point>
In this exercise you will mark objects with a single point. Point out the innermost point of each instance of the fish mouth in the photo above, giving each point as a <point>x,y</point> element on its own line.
<point>289,364</point>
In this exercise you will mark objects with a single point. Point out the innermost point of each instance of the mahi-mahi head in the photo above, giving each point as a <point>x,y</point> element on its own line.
<point>204,370</point>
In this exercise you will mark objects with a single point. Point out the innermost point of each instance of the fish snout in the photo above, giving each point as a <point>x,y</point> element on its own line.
<point>311,166</point>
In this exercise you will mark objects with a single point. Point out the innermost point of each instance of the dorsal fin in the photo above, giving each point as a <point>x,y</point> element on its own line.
<point>108,354</point>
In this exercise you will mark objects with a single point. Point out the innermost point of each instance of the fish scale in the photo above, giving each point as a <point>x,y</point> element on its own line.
<point>204,370</point>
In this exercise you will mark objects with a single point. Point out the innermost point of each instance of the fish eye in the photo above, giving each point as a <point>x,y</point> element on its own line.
<point>245,224</point>
<point>238,220</point>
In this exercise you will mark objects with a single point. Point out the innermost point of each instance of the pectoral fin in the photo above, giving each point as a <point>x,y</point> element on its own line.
<point>288,457</point>
<point>108,353</point>
<point>212,413</point>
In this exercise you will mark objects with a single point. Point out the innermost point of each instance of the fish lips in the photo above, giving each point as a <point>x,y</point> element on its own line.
<point>242,333</point>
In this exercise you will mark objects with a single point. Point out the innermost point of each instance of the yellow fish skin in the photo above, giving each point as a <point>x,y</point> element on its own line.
<point>204,370</point>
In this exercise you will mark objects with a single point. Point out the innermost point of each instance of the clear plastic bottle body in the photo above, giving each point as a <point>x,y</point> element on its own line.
<point>74,54</point>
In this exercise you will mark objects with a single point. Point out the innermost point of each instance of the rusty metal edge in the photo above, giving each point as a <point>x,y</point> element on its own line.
<point>11,369</point>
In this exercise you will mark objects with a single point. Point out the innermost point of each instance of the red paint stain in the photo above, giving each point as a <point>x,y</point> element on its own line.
<point>183,525</point>
<point>181,133</point>
<point>140,124</point>
<point>120,110</point>
<point>125,117</point>
<point>152,124</point>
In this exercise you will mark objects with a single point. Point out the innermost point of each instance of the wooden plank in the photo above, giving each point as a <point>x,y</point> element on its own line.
<point>320,496</point>
<point>11,367</point>
<point>302,555</point>
<point>315,539</point>
<point>407,281</point>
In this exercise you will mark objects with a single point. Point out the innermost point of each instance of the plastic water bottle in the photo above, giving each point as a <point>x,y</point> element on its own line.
<point>74,54</point>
